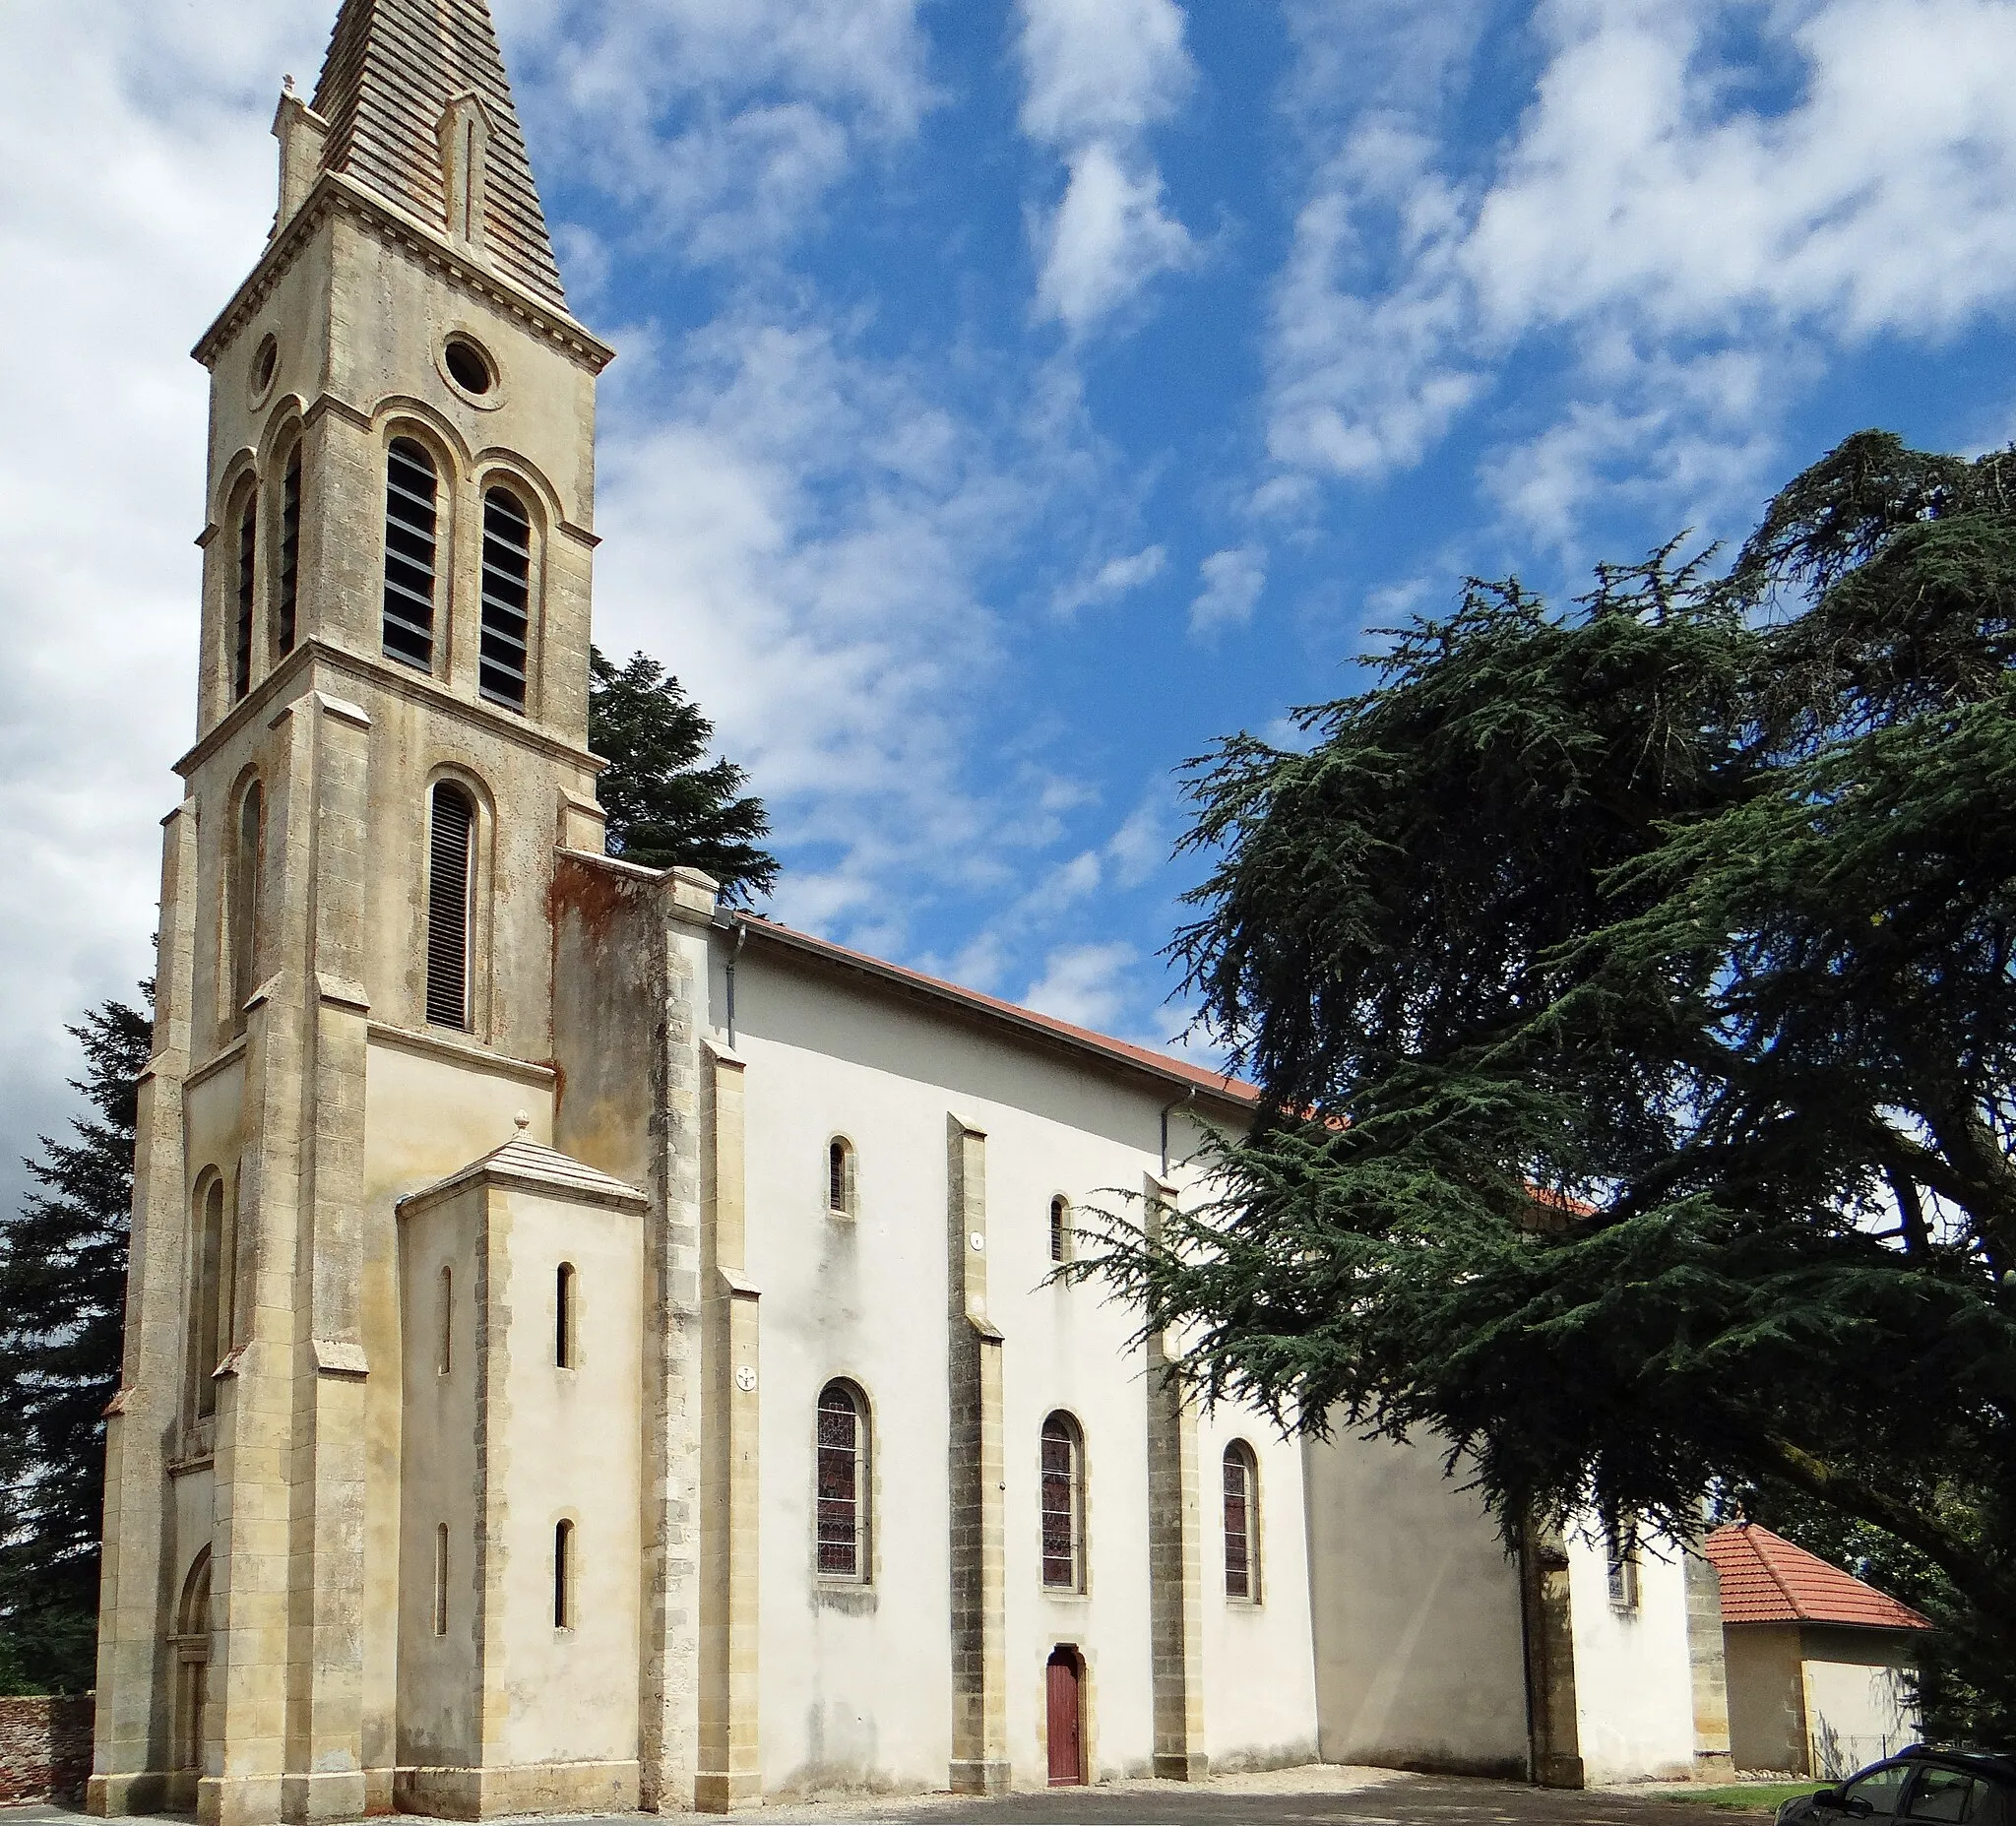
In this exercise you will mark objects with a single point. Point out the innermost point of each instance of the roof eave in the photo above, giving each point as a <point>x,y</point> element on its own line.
<point>339,190</point>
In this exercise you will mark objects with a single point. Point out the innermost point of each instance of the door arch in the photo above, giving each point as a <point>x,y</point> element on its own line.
<point>190,1647</point>
<point>1065,1683</point>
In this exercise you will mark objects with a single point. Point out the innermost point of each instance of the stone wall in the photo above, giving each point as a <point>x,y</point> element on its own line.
<point>44,1748</point>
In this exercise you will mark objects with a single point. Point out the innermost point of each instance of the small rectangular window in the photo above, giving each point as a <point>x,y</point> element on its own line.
<point>563,1317</point>
<point>441,1580</point>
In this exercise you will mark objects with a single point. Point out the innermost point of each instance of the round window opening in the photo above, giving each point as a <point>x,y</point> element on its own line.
<point>469,365</point>
<point>264,363</point>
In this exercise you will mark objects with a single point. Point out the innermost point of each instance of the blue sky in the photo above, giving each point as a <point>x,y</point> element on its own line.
<point>1012,397</point>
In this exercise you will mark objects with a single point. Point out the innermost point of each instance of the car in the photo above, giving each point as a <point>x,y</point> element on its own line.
<point>1960,1788</point>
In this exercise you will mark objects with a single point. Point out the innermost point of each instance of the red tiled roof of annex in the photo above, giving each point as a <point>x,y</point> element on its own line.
<point>1765,1579</point>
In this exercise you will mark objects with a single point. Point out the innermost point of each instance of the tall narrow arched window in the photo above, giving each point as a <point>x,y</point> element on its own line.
<point>288,579</point>
<point>840,1176</point>
<point>842,1484</point>
<point>1241,1518</point>
<point>410,527</point>
<point>247,854</point>
<point>563,1575</point>
<point>208,1279</point>
<point>563,1317</point>
<point>247,581</point>
<point>451,826</point>
<point>444,1324</point>
<point>1060,1228</point>
<point>1063,1504</point>
<point>441,1579</point>
<point>504,661</point>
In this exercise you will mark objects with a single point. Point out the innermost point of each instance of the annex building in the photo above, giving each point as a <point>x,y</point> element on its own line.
<point>587,1348</point>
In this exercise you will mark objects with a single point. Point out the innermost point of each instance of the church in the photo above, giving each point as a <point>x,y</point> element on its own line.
<point>589,1349</point>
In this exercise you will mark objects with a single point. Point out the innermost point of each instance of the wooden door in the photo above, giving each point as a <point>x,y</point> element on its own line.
<point>1067,1751</point>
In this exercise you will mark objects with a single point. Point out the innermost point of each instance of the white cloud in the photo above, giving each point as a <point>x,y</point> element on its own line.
<point>1100,67</point>
<point>1097,74</point>
<point>722,126</point>
<point>1113,579</point>
<point>1233,581</point>
<point>1082,985</point>
<point>136,185</point>
<point>1107,239</point>
<point>1650,217</point>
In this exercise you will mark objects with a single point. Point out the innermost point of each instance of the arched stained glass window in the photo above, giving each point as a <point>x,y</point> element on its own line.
<point>1241,1533</point>
<point>843,1483</point>
<point>1063,1504</point>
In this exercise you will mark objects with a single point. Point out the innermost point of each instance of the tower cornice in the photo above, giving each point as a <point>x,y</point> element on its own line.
<point>333,193</point>
<point>295,673</point>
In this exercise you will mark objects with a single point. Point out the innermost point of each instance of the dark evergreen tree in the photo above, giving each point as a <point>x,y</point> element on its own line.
<point>62,1318</point>
<point>1633,994</point>
<point>665,808</point>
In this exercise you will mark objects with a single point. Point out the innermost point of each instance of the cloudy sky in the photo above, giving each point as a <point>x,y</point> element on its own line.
<point>1012,396</point>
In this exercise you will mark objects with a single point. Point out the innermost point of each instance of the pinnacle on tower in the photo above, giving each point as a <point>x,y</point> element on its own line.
<point>399,74</point>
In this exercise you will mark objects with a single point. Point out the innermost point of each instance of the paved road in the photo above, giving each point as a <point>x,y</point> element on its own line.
<point>1314,1796</point>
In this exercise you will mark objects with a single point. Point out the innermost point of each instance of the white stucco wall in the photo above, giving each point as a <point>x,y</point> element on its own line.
<point>856,1681</point>
<point>1858,1704</point>
<point>1634,1696</point>
<point>1419,1648</point>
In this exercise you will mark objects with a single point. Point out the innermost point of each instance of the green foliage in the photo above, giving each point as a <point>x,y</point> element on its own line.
<point>62,1316</point>
<point>1631,993</point>
<point>664,808</point>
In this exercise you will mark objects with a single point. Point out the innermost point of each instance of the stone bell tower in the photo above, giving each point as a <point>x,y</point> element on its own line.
<point>355,970</point>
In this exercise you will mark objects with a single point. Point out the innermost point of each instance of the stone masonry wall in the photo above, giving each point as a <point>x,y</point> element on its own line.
<point>44,1748</point>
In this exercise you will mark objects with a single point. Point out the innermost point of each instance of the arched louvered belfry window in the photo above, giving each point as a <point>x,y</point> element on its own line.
<point>1241,1518</point>
<point>287,580</point>
<point>1060,1228</point>
<point>247,588</point>
<point>504,661</point>
<point>1063,1504</point>
<point>451,830</point>
<point>412,519</point>
<point>842,1475</point>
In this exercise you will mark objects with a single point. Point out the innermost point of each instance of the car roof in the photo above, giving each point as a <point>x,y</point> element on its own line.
<point>1975,1762</point>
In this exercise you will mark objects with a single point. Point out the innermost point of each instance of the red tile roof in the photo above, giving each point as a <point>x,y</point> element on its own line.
<point>1160,1064</point>
<point>1765,1579</point>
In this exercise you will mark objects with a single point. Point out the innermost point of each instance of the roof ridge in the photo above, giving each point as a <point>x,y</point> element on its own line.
<point>1751,1532</point>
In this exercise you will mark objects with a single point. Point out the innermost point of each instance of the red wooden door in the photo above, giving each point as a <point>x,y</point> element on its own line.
<point>1067,1755</point>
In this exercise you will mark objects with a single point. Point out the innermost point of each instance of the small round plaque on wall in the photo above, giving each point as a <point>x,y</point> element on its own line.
<point>745,1379</point>
<point>978,1240</point>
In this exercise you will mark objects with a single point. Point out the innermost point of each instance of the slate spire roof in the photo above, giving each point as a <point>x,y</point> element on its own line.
<point>1765,1579</point>
<point>393,67</point>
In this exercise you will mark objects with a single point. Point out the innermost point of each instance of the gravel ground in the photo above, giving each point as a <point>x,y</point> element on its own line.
<point>1322,1795</point>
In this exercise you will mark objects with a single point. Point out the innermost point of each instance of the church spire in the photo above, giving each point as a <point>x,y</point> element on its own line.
<point>420,111</point>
